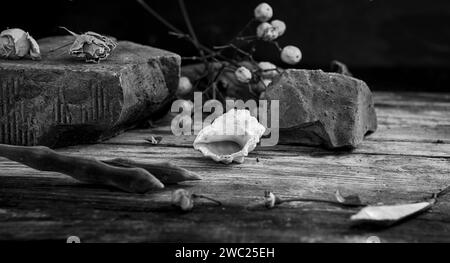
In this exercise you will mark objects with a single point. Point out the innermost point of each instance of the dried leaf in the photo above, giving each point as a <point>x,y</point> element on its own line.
<point>390,214</point>
<point>351,200</point>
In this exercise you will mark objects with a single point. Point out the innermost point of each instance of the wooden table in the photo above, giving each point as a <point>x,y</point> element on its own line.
<point>407,159</point>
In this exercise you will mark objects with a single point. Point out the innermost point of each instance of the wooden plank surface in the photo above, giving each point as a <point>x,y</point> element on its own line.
<point>407,159</point>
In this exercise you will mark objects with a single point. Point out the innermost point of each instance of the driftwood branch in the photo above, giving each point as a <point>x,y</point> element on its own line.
<point>123,174</point>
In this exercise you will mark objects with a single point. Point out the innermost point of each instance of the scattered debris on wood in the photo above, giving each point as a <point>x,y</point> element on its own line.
<point>351,200</point>
<point>390,214</point>
<point>185,200</point>
<point>271,200</point>
<point>154,139</point>
<point>386,215</point>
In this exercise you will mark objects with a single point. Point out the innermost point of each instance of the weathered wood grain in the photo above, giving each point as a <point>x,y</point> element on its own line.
<point>401,162</point>
<point>374,146</point>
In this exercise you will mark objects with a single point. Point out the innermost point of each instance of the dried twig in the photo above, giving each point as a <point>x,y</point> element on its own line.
<point>129,179</point>
<point>123,174</point>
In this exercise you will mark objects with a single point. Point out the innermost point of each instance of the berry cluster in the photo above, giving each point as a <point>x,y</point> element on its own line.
<point>230,71</point>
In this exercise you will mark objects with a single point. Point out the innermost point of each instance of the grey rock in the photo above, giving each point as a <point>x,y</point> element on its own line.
<point>322,109</point>
<point>62,101</point>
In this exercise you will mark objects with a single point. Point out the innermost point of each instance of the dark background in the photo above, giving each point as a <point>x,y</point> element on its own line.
<point>391,44</point>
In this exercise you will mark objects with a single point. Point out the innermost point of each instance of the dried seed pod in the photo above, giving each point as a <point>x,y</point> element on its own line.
<point>16,44</point>
<point>91,46</point>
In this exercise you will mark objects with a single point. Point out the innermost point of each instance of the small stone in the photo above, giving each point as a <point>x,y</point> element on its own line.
<point>322,109</point>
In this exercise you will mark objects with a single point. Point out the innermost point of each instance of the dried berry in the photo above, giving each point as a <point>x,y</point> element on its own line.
<point>243,75</point>
<point>91,46</point>
<point>262,28</point>
<point>184,86</point>
<point>291,55</point>
<point>16,44</point>
<point>266,32</point>
<point>263,12</point>
<point>280,27</point>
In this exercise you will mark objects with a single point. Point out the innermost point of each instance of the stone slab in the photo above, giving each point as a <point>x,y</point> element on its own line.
<point>62,100</point>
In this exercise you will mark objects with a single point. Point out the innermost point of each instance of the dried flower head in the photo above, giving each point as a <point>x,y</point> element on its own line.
<point>243,74</point>
<point>263,12</point>
<point>91,46</point>
<point>184,86</point>
<point>280,27</point>
<point>291,55</point>
<point>182,199</point>
<point>16,44</point>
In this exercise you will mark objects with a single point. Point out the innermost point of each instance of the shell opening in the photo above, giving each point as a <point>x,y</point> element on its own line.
<point>230,141</point>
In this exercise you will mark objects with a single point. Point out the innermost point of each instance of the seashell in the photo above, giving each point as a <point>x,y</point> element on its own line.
<point>16,44</point>
<point>91,46</point>
<point>230,137</point>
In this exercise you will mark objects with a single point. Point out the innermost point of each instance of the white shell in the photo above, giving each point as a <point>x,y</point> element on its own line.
<point>230,137</point>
